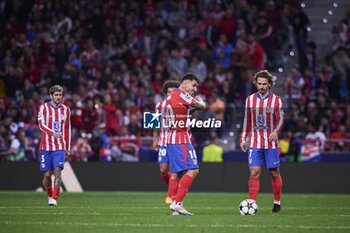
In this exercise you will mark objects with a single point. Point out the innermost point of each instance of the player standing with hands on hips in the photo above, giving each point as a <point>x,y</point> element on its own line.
<point>263,121</point>
<point>55,124</point>
<point>182,155</point>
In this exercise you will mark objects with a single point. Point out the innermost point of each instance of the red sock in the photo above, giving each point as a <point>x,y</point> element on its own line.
<point>56,192</point>
<point>165,177</point>
<point>277,188</point>
<point>184,186</point>
<point>49,191</point>
<point>254,187</point>
<point>172,188</point>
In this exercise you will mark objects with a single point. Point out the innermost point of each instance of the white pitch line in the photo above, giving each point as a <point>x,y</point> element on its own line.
<point>128,214</point>
<point>164,207</point>
<point>172,225</point>
<point>67,213</point>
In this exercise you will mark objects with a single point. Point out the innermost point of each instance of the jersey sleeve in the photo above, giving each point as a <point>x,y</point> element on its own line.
<point>67,130</point>
<point>279,114</point>
<point>41,120</point>
<point>246,122</point>
<point>186,99</point>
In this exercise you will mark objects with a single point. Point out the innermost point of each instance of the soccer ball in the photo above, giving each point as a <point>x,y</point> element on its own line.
<point>248,207</point>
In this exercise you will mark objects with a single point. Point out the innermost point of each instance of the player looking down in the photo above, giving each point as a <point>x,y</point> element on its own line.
<point>263,120</point>
<point>55,124</point>
<point>182,156</point>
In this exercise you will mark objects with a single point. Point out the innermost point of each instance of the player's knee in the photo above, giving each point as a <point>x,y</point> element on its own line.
<point>193,172</point>
<point>254,174</point>
<point>275,174</point>
<point>47,175</point>
<point>163,170</point>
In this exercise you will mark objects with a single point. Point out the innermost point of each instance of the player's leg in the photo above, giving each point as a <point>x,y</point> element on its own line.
<point>254,181</point>
<point>163,161</point>
<point>47,183</point>
<point>255,161</point>
<point>46,166</point>
<point>57,182</point>
<point>185,184</point>
<point>175,176</point>
<point>188,160</point>
<point>58,163</point>
<point>273,164</point>
<point>276,184</point>
<point>165,174</point>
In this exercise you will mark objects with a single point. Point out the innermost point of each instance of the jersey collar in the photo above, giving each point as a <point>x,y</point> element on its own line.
<point>268,95</point>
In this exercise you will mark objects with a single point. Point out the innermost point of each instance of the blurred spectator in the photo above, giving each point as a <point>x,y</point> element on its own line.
<point>313,144</point>
<point>299,21</point>
<point>222,52</point>
<point>217,106</point>
<point>198,67</point>
<point>339,139</point>
<point>264,32</point>
<point>14,149</point>
<point>256,52</point>
<point>177,63</point>
<point>294,85</point>
<point>213,152</point>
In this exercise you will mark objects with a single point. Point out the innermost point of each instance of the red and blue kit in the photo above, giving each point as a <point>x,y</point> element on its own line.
<point>54,120</point>
<point>263,116</point>
<point>163,133</point>
<point>182,155</point>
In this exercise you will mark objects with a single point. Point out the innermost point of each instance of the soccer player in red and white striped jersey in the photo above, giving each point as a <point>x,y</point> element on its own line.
<point>160,136</point>
<point>182,155</point>
<point>55,124</point>
<point>263,121</point>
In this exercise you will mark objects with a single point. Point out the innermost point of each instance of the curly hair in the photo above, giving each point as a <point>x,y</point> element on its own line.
<point>169,84</point>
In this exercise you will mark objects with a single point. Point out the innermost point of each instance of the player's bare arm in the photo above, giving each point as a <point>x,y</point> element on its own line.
<point>273,137</point>
<point>243,146</point>
<point>155,145</point>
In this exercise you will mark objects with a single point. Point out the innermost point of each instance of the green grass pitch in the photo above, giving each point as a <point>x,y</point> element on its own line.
<point>146,212</point>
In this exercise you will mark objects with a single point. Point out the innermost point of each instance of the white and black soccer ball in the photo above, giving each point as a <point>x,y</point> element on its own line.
<point>248,207</point>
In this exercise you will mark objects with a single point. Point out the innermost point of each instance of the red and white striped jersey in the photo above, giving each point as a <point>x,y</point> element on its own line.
<point>262,116</point>
<point>51,120</point>
<point>161,108</point>
<point>178,114</point>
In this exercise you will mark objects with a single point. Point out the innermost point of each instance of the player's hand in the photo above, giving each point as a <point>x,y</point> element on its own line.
<point>155,146</point>
<point>67,157</point>
<point>273,137</point>
<point>57,135</point>
<point>243,146</point>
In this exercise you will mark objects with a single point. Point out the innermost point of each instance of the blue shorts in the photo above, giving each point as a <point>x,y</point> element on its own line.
<point>162,155</point>
<point>263,157</point>
<point>51,159</point>
<point>182,157</point>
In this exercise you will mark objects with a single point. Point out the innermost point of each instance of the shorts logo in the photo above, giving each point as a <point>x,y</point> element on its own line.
<point>194,161</point>
<point>151,120</point>
<point>261,120</point>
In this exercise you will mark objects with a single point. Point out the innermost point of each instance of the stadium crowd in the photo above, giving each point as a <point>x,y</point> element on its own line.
<point>112,58</point>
